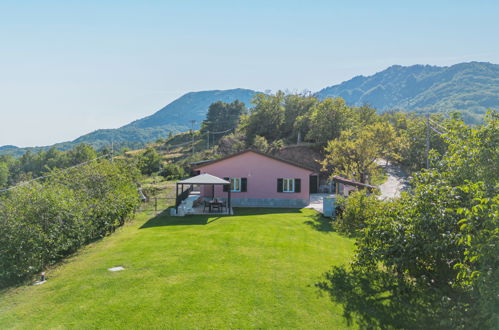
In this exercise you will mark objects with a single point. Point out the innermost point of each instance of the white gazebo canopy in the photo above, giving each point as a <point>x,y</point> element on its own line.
<point>204,179</point>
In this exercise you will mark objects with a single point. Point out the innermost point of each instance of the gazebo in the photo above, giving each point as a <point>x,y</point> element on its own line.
<point>202,180</point>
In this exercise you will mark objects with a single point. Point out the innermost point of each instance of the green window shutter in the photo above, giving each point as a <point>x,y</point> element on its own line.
<point>226,186</point>
<point>244,184</point>
<point>297,185</point>
<point>279,185</point>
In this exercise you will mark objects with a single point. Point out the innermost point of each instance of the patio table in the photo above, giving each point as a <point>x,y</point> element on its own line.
<point>215,204</point>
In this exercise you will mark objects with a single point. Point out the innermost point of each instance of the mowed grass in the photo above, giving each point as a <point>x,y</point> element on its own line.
<point>256,269</point>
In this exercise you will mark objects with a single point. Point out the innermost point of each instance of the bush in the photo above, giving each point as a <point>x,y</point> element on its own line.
<point>356,210</point>
<point>172,172</point>
<point>44,222</point>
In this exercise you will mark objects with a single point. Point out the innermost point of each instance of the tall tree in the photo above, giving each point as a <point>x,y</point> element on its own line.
<point>295,106</point>
<point>355,152</point>
<point>328,119</point>
<point>266,117</point>
<point>429,260</point>
<point>222,116</point>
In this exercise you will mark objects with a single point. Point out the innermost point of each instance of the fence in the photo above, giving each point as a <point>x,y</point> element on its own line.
<point>159,198</point>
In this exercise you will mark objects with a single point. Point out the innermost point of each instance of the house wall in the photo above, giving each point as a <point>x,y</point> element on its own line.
<point>262,174</point>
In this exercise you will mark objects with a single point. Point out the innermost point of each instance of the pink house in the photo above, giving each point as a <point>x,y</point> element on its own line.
<point>258,179</point>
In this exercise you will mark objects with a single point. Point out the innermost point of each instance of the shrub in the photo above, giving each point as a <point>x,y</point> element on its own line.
<point>172,172</point>
<point>44,222</point>
<point>356,210</point>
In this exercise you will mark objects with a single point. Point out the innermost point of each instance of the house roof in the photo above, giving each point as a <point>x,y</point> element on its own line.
<point>204,179</point>
<point>349,182</point>
<point>256,152</point>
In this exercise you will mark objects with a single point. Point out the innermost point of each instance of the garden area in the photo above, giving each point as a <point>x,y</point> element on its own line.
<point>256,269</point>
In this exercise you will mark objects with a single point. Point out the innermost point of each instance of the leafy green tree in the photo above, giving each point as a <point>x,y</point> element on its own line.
<point>232,143</point>
<point>355,152</point>
<point>221,117</point>
<point>4,174</point>
<point>172,172</point>
<point>429,259</point>
<point>47,220</point>
<point>266,117</point>
<point>149,161</point>
<point>328,119</point>
<point>412,131</point>
<point>356,210</point>
<point>261,144</point>
<point>80,154</point>
<point>295,106</point>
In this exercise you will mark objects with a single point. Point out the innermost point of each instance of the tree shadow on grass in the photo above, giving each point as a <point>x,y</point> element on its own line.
<point>250,211</point>
<point>376,300</point>
<point>320,223</point>
<point>162,220</point>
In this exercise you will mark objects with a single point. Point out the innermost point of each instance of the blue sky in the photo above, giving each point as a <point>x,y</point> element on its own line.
<point>70,67</point>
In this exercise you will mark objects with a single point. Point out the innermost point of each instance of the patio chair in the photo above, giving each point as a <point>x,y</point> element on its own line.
<point>216,206</point>
<point>206,204</point>
<point>224,205</point>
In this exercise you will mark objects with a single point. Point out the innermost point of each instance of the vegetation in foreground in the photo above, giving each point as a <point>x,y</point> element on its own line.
<point>429,259</point>
<point>256,269</point>
<point>43,222</point>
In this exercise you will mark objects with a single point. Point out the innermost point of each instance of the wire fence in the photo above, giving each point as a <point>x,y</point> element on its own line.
<point>159,197</point>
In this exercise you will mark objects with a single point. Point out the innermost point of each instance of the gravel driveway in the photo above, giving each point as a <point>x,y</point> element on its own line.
<point>396,182</point>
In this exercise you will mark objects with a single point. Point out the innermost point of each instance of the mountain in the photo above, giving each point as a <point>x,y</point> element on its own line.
<point>192,106</point>
<point>470,88</point>
<point>7,147</point>
<point>174,117</point>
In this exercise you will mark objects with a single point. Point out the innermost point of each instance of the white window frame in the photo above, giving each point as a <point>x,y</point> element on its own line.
<point>288,185</point>
<point>235,183</point>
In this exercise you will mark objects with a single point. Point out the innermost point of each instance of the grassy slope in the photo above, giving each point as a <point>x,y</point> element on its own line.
<point>255,269</point>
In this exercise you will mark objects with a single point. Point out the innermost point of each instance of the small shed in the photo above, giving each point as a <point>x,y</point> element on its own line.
<point>345,186</point>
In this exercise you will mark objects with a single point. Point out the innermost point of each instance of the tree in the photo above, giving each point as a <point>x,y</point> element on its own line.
<point>295,106</point>
<point>80,154</point>
<point>261,144</point>
<point>232,143</point>
<point>429,259</point>
<point>222,117</point>
<point>328,119</point>
<point>412,131</point>
<point>172,172</point>
<point>266,117</point>
<point>354,154</point>
<point>4,174</point>
<point>149,161</point>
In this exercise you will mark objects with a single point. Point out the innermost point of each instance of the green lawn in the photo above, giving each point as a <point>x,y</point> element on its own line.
<point>254,269</point>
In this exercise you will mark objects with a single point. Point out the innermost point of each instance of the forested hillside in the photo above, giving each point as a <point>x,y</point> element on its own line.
<point>192,106</point>
<point>173,118</point>
<point>470,88</point>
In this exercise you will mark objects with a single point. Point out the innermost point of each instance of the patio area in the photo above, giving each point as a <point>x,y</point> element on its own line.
<point>190,201</point>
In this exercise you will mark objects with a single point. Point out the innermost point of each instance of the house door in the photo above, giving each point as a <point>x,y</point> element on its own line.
<point>314,184</point>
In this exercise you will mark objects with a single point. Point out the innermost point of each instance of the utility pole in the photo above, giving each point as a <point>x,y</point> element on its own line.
<point>427,141</point>
<point>192,132</point>
<point>112,149</point>
<point>208,139</point>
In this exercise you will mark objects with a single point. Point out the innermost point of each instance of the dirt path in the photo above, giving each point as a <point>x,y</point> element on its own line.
<point>396,182</point>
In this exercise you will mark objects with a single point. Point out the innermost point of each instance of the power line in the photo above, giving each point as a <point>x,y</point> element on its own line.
<point>222,131</point>
<point>435,123</point>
